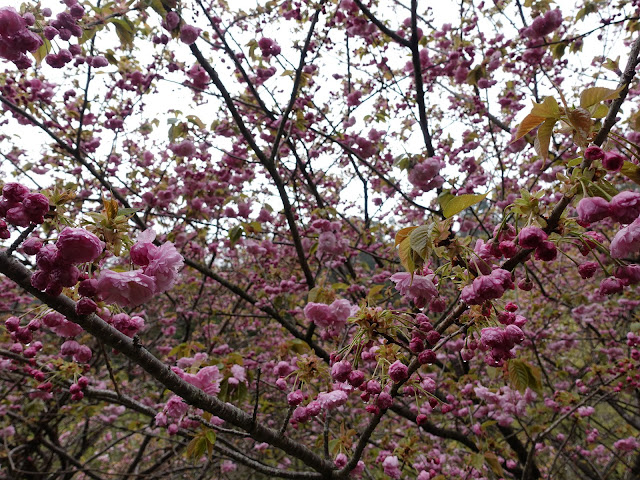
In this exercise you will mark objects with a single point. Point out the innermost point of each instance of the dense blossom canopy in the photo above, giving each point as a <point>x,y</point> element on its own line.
<point>320,239</point>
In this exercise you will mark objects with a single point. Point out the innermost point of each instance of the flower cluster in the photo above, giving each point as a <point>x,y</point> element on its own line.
<point>20,207</point>
<point>328,316</point>
<point>57,262</point>
<point>159,273</point>
<point>487,287</point>
<point>500,342</point>
<point>417,288</point>
<point>15,37</point>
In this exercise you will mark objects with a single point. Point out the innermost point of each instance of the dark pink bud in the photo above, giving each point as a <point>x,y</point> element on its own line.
<point>65,275</point>
<point>70,347</point>
<point>356,377</point>
<point>610,286</point>
<point>85,306</point>
<point>588,269</point>
<point>427,357</point>
<point>531,237</point>
<point>52,319</point>
<point>630,274</point>
<point>77,245</point>
<point>24,335</point>
<point>32,245</point>
<point>77,11</point>
<point>50,32</point>
<point>513,334</point>
<point>171,21</point>
<point>525,285</point>
<point>189,34</point>
<point>34,325</point>
<point>11,22</point>
<point>340,371</point>
<point>546,251</point>
<point>593,153</point>
<point>47,257</point>
<point>373,387</point>
<point>613,161</point>
<point>398,371</point>
<point>313,409</point>
<point>18,216</point>
<point>421,419</point>
<point>36,205</point>
<point>83,382</point>
<point>88,288</point>
<point>12,324</point>
<point>416,345</point>
<point>99,62</point>
<point>40,280</point>
<point>625,206</point>
<point>384,400</point>
<point>432,337</point>
<point>295,398</point>
<point>14,192</point>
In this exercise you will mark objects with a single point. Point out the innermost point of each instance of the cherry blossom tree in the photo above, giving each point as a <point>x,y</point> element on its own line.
<point>320,239</point>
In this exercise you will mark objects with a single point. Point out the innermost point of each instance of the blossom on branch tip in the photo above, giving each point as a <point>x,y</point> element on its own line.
<point>417,288</point>
<point>127,289</point>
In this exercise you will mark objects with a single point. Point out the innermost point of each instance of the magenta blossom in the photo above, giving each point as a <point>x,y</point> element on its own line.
<point>334,315</point>
<point>76,245</point>
<point>164,264</point>
<point>420,289</point>
<point>625,206</point>
<point>593,209</point>
<point>627,241</point>
<point>127,289</point>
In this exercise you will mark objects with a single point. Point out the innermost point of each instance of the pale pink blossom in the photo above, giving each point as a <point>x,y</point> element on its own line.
<point>420,289</point>
<point>164,264</point>
<point>127,289</point>
<point>334,315</point>
<point>627,241</point>
<point>331,400</point>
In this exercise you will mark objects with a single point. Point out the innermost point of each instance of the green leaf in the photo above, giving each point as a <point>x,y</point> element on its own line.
<point>125,30</point>
<point>528,123</point>
<point>574,162</point>
<point>375,290</point>
<point>594,95</point>
<point>235,234</point>
<point>196,448</point>
<point>631,171</point>
<point>406,255</point>
<point>547,109</point>
<point>43,51</point>
<point>127,211</point>
<point>210,436</point>
<point>544,137</point>
<point>402,234</point>
<point>420,240</point>
<point>494,463</point>
<point>523,375</point>
<point>459,203</point>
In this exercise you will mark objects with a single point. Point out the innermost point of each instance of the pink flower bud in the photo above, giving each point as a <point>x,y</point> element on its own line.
<point>295,398</point>
<point>593,153</point>
<point>384,400</point>
<point>77,245</point>
<point>531,237</point>
<point>613,161</point>
<point>398,371</point>
<point>588,269</point>
<point>427,357</point>
<point>592,209</point>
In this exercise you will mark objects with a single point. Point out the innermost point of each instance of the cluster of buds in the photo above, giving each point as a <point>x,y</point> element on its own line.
<point>20,207</point>
<point>76,389</point>
<point>57,262</point>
